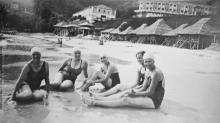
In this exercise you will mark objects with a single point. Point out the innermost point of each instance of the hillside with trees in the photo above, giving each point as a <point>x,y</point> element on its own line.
<point>47,13</point>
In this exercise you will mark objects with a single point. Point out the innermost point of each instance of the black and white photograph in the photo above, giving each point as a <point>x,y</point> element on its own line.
<point>110,61</point>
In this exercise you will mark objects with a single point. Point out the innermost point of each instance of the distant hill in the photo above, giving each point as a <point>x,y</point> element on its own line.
<point>49,12</point>
<point>68,7</point>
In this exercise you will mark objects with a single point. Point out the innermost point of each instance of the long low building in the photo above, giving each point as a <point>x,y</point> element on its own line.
<point>162,8</point>
<point>197,36</point>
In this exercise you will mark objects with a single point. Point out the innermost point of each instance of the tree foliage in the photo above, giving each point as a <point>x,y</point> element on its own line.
<point>47,13</point>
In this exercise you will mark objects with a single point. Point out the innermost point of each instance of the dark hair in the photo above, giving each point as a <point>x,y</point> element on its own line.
<point>140,52</point>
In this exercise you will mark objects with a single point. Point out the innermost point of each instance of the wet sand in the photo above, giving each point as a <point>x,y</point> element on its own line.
<point>192,82</point>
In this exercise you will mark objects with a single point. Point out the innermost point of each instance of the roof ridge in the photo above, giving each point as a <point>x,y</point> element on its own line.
<point>207,19</point>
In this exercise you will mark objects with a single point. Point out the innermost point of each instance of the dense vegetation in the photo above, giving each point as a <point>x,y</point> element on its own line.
<point>46,13</point>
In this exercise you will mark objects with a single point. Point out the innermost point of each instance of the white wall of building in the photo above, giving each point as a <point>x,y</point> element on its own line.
<point>97,12</point>
<point>153,8</point>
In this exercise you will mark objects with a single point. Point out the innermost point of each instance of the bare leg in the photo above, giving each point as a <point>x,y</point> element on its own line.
<point>112,91</point>
<point>116,96</point>
<point>137,102</point>
<point>58,79</point>
<point>39,94</point>
<point>24,93</point>
<point>95,76</point>
<point>66,84</point>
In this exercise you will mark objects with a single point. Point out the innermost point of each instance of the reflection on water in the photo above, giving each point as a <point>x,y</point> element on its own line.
<point>9,59</point>
<point>11,73</point>
<point>34,113</point>
<point>18,47</point>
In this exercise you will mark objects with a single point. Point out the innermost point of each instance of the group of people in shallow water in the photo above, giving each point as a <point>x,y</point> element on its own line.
<point>148,90</point>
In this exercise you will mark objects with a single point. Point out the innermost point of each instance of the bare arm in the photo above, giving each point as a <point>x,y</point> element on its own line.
<point>144,86</point>
<point>85,72</point>
<point>47,80</point>
<point>154,82</point>
<point>22,78</point>
<point>64,65</point>
<point>107,76</point>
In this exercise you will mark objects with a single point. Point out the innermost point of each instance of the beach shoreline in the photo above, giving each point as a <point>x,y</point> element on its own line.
<point>192,81</point>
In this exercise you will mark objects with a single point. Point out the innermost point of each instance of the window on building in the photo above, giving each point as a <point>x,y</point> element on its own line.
<point>151,8</point>
<point>158,8</point>
<point>174,5</point>
<point>162,8</point>
<point>182,11</point>
<point>147,8</point>
<point>159,3</point>
<point>174,10</point>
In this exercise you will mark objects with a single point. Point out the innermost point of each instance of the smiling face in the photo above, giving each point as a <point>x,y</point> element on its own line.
<point>77,55</point>
<point>104,59</point>
<point>149,63</point>
<point>36,56</point>
<point>140,59</point>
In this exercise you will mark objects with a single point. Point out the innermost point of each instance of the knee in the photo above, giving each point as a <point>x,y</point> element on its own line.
<point>125,100</point>
<point>58,78</point>
<point>97,73</point>
<point>118,87</point>
<point>67,84</point>
<point>24,95</point>
<point>39,94</point>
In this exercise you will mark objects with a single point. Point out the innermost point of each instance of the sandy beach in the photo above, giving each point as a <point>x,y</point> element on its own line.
<point>192,89</point>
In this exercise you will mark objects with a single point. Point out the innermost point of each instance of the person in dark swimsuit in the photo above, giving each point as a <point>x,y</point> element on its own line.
<point>69,71</point>
<point>108,76</point>
<point>141,71</point>
<point>29,81</point>
<point>150,97</point>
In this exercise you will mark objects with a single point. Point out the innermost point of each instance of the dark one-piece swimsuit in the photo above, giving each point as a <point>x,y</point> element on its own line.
<point>72,73</point>
<point>142,77</point>
<point>115,79</point>
<point>158,95</point>
<point>34,79</point>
